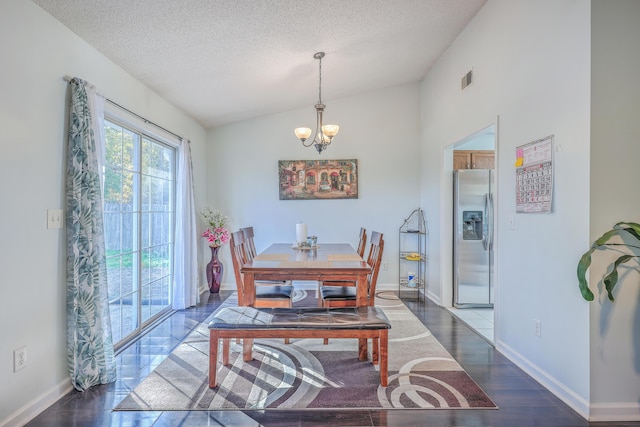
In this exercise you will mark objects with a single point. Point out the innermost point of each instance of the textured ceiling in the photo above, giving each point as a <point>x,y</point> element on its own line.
<point>227,60</point>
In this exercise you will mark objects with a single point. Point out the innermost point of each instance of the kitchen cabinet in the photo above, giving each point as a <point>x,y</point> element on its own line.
<point>473,159</point>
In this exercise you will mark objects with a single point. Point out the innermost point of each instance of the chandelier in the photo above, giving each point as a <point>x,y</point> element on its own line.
<point>324,133</point>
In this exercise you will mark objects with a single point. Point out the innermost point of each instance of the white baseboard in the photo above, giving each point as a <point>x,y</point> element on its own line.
<point>562,392</point>
<point>433,297</point>
<point>593,412</point>
<point>37,405</point>
<point>386,287</point>
<point>618,411</point>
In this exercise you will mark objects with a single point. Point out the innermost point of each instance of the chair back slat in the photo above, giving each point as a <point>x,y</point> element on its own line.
<point>249,243</point>
<point>374,260</point>
<point>362,244</point>
<point>238,258</point>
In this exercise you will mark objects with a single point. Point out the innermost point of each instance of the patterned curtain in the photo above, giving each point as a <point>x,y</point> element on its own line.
<point>89,341</point>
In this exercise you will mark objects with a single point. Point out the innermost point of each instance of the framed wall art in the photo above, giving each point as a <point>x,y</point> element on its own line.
<point>318,179</point>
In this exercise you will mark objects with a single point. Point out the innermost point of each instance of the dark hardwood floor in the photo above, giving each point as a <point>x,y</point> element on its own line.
<point>522,401</point>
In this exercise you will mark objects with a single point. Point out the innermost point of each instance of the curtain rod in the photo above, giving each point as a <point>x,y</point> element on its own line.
<point>69,78</point>
<point>143,119</point>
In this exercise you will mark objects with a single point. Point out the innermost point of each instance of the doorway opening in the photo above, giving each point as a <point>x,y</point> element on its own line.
<point>470,297</point>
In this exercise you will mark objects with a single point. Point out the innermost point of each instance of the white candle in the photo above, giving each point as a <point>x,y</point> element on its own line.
<point>301,233</point>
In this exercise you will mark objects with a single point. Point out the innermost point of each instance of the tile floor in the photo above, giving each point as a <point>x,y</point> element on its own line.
<point>478,319</point>
<point>521,400</point>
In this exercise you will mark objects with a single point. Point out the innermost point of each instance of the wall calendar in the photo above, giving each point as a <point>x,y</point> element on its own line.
<point>534,176</point>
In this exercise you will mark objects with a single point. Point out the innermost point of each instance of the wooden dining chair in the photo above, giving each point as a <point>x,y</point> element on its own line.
<point>345,296</point>
<point>266,296</point>
<point>362,243</point>
<point>251,253</point>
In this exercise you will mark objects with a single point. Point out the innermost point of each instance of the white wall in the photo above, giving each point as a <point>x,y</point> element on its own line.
<point>379,129</point>
<point>531,65</point>
<point>37,51</point>
<point>615,132</point>
<point>536,80</point>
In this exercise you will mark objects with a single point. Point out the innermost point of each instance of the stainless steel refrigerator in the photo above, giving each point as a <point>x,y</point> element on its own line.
<point>473,238</point>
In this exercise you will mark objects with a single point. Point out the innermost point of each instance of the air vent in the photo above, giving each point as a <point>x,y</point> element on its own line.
<point>466,79</point>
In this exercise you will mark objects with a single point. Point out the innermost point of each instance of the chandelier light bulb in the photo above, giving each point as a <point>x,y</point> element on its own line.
<point>303,133</point>
<point>330,130</point>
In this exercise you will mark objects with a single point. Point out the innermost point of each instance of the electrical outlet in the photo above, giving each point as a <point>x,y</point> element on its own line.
<point>538,327</point>
<point>385,265</point>
<point>19,358</point>
<point>54,218</point>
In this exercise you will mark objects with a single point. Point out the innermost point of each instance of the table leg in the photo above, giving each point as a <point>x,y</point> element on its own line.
<point>362,291</point>
<point>362,301</point>
<point>363,349</point>
<point>225,351</point>
<point>247,348</point>
<point>375,350</point>
<point>248,297</point>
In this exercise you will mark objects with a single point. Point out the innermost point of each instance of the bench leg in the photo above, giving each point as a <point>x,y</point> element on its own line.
<point>384,357</point>
<point>380,354</point>
<point>213,357</point>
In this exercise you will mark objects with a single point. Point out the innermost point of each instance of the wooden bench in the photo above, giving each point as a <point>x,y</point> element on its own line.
<point>313,322</point>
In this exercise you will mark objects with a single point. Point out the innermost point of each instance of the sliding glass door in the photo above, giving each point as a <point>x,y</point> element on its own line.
<point>139,206</point>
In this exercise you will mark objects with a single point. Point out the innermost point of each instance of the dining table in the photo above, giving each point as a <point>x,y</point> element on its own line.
<point>323,262</point>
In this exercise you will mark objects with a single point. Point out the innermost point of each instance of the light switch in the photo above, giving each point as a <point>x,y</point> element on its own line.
<point>512,222</point>
<point>54,218</point>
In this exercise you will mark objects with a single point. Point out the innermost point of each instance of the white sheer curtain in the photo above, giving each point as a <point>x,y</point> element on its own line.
<point>185,283</point>
<point>96,105</point>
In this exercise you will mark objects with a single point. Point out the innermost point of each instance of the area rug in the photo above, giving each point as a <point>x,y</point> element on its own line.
<point>306,374</point>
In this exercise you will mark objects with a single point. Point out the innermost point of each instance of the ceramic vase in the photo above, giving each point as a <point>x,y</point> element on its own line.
<point>214,271</point>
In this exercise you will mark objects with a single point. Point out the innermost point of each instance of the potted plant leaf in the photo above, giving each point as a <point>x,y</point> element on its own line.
<point>628,232</point>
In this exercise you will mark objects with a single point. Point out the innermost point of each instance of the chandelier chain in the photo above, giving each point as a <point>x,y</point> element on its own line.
<point>320,81</point>
<point>324,133</point>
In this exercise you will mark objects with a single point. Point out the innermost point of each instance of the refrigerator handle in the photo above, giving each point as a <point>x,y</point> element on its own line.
<point>485,228</point>
<point>489,220</point>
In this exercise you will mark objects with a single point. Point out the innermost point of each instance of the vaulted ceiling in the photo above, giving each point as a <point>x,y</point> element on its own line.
<point>223,61</point>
